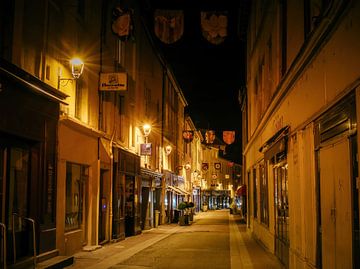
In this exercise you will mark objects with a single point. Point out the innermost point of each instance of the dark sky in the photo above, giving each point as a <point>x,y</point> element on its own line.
<point>209,75</point>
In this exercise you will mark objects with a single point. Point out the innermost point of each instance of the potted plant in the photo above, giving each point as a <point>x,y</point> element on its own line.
<point>204,206</point>
<point>191,206</point>
<point>184,218</point>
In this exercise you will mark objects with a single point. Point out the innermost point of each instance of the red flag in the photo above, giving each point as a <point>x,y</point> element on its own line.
<point>188,136</point>
<point>209,136</point>
<point>169,25</point>
<point>229,137</point>
<point>122,23</point>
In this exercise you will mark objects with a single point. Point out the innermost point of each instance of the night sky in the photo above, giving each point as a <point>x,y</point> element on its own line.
<point>209,75</point>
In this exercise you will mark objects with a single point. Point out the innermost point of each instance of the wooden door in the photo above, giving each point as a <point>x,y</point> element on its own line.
<point>335,198</point>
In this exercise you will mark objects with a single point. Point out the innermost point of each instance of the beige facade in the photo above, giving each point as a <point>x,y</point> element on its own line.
<point>301,115</point>
<point>104,187</point>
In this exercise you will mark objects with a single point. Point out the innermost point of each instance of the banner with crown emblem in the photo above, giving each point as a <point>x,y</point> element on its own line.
<point>169,25</point>
<point>122,23</point>
<point>188,136</point>
<point>229,137</point>
<point>209,136</point>
<point>214,26</point>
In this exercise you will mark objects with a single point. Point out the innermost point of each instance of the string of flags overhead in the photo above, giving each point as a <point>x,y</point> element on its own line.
<point>169,25</point>
<point>228,137</point>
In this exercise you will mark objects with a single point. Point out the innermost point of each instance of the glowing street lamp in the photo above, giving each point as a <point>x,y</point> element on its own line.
<point>77,68</point>
<point>146,129</point>
<point>168,149</point>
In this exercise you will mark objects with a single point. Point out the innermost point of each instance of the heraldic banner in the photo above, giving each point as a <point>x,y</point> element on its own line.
<point>169,25</point>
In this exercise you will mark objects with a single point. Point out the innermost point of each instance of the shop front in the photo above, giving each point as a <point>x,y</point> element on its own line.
<point>28,138</point>
<point>126,207</point>
<point>150,198</point>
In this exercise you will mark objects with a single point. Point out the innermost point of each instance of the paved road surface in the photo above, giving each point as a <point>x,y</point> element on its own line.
<point>216,240</point>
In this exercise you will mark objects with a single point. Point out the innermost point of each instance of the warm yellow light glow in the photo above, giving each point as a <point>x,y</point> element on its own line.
<point>77,67</point>
<point>168,149</point>
<point>146,129</point>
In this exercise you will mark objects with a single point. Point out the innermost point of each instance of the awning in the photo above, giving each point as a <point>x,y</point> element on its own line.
<point>150,173</point>
<point>276,144</point>
<point>177,190</point>
<point>241,191</point>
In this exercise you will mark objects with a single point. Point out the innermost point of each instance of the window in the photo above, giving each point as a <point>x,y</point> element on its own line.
<point>264,196</point>
<point>76,176</point>
<point>255,192</point>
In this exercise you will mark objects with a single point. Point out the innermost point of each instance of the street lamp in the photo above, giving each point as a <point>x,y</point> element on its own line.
<point>147,130</point>
<point>77,67</point>
<point>168,149</point>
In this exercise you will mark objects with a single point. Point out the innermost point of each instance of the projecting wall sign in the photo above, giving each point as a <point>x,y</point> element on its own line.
<point>113,82</point>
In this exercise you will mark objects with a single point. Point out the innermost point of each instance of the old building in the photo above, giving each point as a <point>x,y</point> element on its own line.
<point>301,142</point>
<point>77,164</point>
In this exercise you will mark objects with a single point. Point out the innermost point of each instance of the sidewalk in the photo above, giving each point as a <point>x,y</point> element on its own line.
<point>244,251</point>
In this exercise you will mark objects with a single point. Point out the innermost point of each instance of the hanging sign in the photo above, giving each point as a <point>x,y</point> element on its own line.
<point>217,166</point>
<point>122,23</point>
<point>169,25</point>
<point>188,136</point>
<point>205,166</point>
<point>209,136</point>
<point>113,81</point>
<point>214,26</point>
<point>145,149</point>
<point>229,137</point>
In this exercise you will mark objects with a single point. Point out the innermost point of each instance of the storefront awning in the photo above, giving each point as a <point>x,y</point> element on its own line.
<point>241,190</point>
<point>150,173</point>
<point>177,190</point>
<point>277,144</point>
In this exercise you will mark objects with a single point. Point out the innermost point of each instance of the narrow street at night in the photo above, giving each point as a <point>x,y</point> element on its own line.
<point>215,240</point>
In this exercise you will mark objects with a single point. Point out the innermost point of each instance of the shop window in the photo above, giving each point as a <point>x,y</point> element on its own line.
<point>76,175</point>
<point>264,195</point>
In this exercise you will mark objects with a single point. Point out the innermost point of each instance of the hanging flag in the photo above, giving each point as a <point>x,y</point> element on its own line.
<point>188,136</point>
<point>209,136</point>
<point>214,26</point>
<point>205,166</point>
<point>122,23</point>
<point>229,137</point>
<point>169,25</point>
<point>217,166</point>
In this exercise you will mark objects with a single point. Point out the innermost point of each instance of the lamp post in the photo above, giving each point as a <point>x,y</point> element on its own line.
<point>146,130</point>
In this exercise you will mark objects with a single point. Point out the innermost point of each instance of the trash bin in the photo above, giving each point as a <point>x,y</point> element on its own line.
<point>157,217</point>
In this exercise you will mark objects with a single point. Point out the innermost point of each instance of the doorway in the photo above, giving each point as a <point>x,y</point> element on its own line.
<point>15,172</point>
<point>282,240</point>
<point>103,208</point>
<point>335,200</point>
<point>129,205</point>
